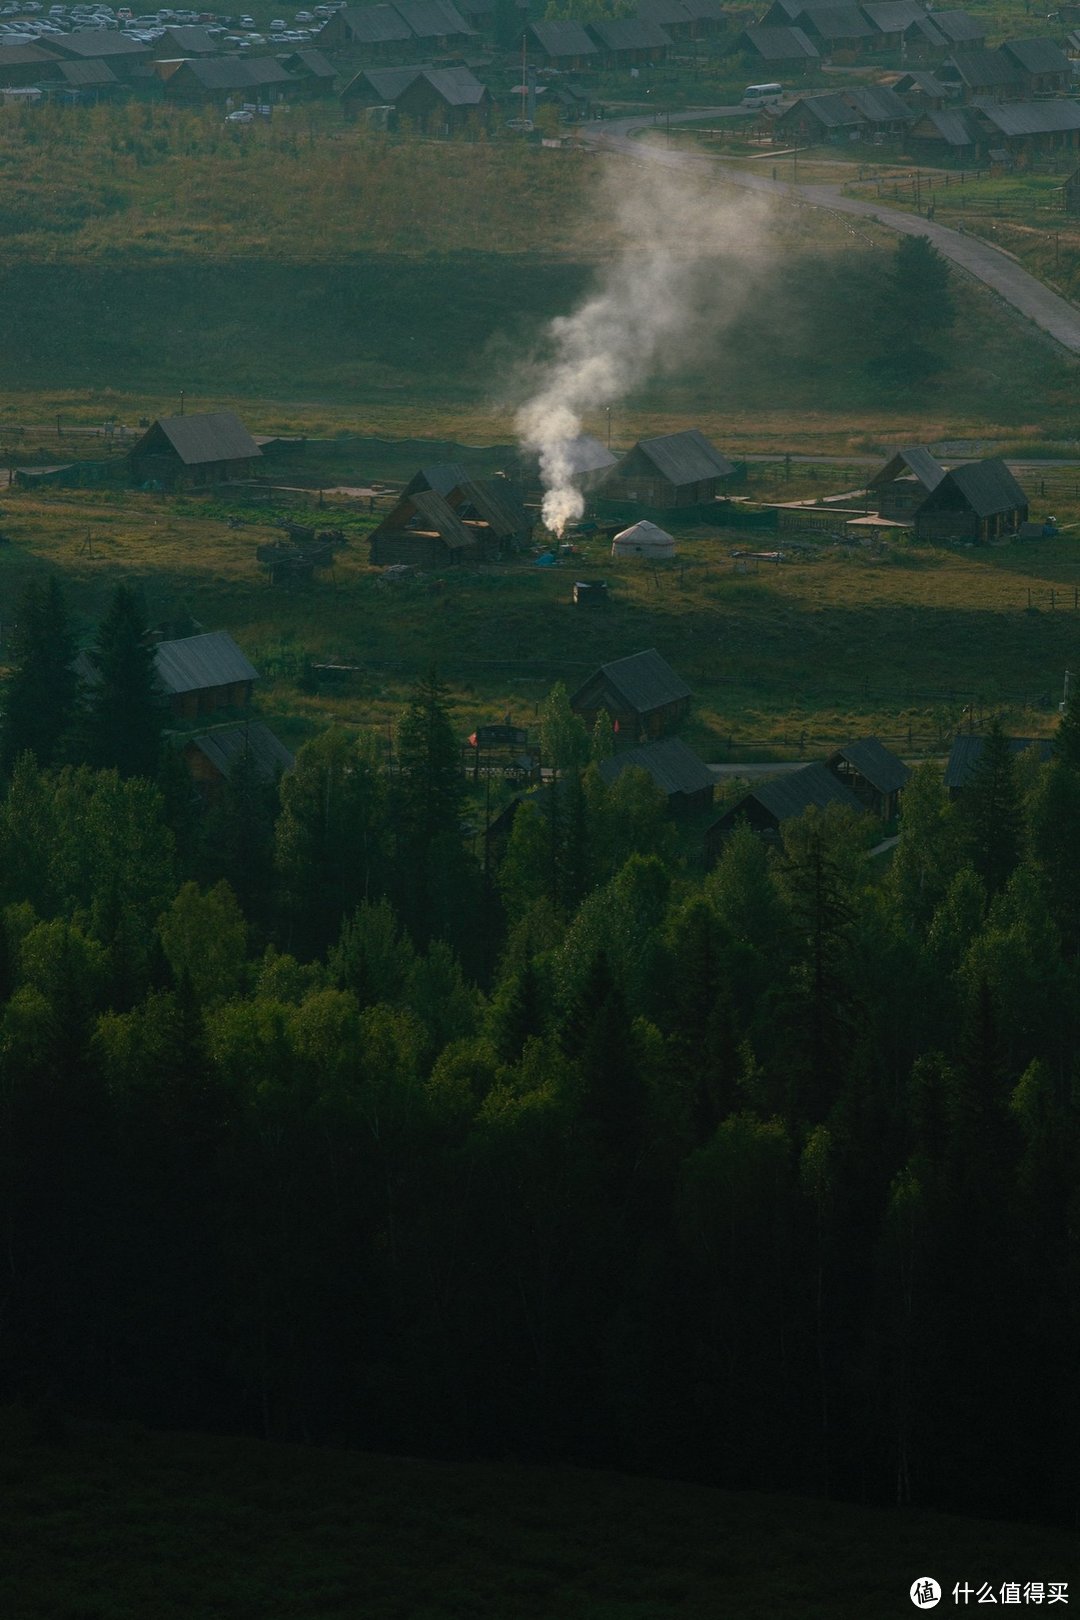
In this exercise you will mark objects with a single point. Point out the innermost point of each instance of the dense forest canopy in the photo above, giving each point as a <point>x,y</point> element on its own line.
<point>314,1124</point>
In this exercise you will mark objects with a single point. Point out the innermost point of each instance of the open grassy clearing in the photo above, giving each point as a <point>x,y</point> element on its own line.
<point>834,642</point>
<point>121,1524</point>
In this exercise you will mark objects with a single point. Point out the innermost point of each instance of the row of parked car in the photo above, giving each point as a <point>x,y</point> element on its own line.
<point>30,24</point>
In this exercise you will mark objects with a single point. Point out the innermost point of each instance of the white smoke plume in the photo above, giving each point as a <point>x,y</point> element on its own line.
<point>685,257</point>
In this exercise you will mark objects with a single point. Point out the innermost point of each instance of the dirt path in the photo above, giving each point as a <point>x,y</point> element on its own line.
<point>1014,285</point>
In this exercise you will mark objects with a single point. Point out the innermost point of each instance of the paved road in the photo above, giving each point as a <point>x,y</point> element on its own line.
<point>1055,315</point>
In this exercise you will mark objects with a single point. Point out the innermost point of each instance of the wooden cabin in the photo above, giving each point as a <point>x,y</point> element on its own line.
<point>904,482</point>
<point>642,694</point>
<point>676,469</point>
<point>676,771</point>
<point>212,756</point>
<point>874,774</point>
<point>423,529</point>
<point>200,674</point>
<point>980,501</point>
<point>777,799</point>
<point>201,449</point>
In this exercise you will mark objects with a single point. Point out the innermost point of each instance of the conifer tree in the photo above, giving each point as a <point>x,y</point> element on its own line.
<point>37,707</point>
<point>991,811</point>
<point>126,709</point>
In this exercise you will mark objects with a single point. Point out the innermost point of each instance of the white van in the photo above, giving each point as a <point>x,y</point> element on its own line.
<point>762,95</point>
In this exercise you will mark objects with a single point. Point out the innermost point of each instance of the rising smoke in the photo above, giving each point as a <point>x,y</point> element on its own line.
<point>685,260</point>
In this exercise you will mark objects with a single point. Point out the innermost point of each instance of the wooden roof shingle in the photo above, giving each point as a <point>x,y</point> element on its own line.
<point>644,681</point>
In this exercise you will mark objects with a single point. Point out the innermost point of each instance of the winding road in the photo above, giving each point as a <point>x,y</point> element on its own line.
<point>1014,285</point>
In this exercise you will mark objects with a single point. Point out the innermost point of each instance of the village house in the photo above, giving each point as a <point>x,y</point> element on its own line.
<point>781,50</point>
<point>376,87</point>
<point>26,65</point>
<point>837,29</point>
<point>629,41</point>
<point>179,42</point>
<point>980,501</point>
<point>825,116</point>
<point>124,56</point>
<point>678,773</point>
<point>967,750</point>
<point>948,133</point>
<point>89,81</point>
<point>673,16</point>
<point>1025,129</point>
<point>380,31</point>
<point>212,756</point>
<point>983,75</point>
<point>223,79</point>
<point>436,25</point>
<point>200,449</point>
<point>444,101</point>
<point>777,799</point>
<point>423,530</point>
<point>708,18</point>
<point>201,674</point>
<point>1042,65</point>
<point>673,470</point>
<point>314,72</point>
<point>904,482</point>
<point>874,774</point>
<point>922,91</point>
<point>960,30</point>
<point>901,24</point>
<point>883,112</point>
<point>642,694</point>
<point>564,45</point>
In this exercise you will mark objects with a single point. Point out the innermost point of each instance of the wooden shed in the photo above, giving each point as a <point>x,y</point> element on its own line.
<point>423,529</point>
<point>212,756</point>
<point>200,449</point>
<point>642,694</point>
<point>905,481</point>
<point>676,469</point>
<point>201,674</point>
<point>980,501</point>
<point>874,774</point>
<point>780,798</point>
<point>445,100</point>
<point>677,772</point>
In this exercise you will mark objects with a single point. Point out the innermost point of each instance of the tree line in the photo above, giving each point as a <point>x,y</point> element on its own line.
<point>315,1124</point>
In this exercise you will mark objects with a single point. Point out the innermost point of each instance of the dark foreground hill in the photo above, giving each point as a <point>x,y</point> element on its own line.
<point>129,1525</point>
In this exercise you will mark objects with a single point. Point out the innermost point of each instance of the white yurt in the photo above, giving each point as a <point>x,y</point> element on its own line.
<point>643,539</point>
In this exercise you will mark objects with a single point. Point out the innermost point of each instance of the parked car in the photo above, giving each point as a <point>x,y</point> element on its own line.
<point>241,116</point>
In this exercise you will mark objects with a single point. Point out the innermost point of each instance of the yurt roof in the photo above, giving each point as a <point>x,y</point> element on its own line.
<point>645,533</point>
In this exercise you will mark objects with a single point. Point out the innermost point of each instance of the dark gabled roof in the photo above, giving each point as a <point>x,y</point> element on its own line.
<point>441,476</point>
<point>780,44</point>
<point>829,108</point>
<point>199,662</point>
<point>1030,117</point>
<point>458,86</point>
<point>376,25</point>
<point>967,751</point>
<point>225,746</point>
<point>668,13</point>
<point>434,512</point>
<point>684,458</point>
<point>927,84</point>
<point>959,26</point>
<point>953,127</point>
<point>213,436</point>
<point>563,39</point>
<point>790,794</point>
<point>1037,55</point>
<point>234,72</point>
<point>587,455</point>
<point>432,19</point>
<point>986,486</point>
<point>313,64</point>
<point>385,84</point>
<point>24,55</point>
<point>978,66</point>
<point>186,41</point>
<point>644,682</point>
<point>493,505</point>
<point>893,16</point>
<point>837,22</point>
<point>629,34</point>
<point>86,73</point>
<point>673,767</point>
<point>91,42</point>
<point>877,104</point>
<point>881,768</point>
<point>915,458</point>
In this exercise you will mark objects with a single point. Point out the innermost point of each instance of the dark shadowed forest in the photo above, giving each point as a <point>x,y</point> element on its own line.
<point>315,1124</point>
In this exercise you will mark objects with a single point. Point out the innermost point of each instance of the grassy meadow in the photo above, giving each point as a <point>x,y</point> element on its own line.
<point>121,1524</point>
<point>784,659</point>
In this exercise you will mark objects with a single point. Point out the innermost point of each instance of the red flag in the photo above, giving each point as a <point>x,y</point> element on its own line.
<point>472,741</point>
<point>615,727</point>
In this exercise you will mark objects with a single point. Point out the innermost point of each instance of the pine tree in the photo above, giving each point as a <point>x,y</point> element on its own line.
<point>991,811</point>
<point>39,697</point>
<point>433,868</point>
<point>126,710</point>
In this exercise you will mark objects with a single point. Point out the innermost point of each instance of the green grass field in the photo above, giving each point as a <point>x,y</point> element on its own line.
<point>125,1524</point>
